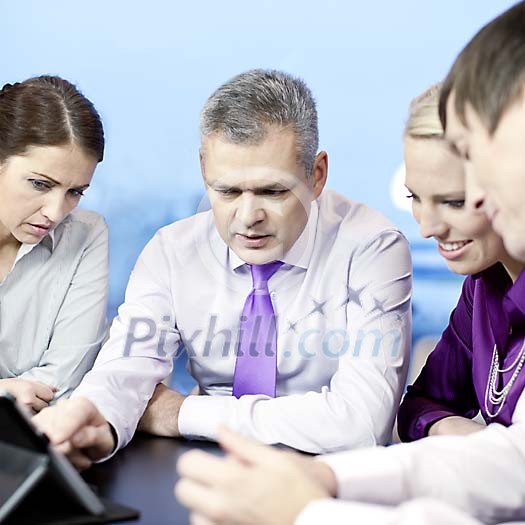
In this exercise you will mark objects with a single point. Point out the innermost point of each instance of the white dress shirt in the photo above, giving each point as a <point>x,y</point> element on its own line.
<point>342,301</point>
<point>472,479</point>
<point>53,304</point>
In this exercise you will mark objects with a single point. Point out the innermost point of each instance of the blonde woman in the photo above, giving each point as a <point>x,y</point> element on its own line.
<point>476,365</point>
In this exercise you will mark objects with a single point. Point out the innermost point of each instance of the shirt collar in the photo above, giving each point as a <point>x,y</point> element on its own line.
<point>48,241</point>
<point>506,300</point>
<point>301,251</point>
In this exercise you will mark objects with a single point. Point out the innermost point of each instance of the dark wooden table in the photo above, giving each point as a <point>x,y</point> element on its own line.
<point>142,476</point>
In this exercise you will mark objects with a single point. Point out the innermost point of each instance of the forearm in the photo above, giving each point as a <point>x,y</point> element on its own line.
<point>428,511</point>
<point>418,414</point>
<point>482,474</point>
<point>162,413</point>
<point>315,422</point>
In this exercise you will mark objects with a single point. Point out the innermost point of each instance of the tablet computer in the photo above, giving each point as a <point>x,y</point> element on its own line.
<point>28,461</point>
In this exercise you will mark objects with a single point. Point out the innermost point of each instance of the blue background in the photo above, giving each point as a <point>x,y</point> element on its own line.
<point>149,67</point>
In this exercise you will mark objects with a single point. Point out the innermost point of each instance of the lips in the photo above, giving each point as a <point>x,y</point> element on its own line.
<point>453,250</point>
<point>39,229</point>
<point>252,241</point>
<point>453,246</point>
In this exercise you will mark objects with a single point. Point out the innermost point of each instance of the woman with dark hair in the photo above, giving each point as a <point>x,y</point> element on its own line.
<point>53,258</point>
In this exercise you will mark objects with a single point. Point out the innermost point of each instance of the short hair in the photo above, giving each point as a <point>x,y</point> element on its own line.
<point>423,117</point>
<point>48,111</point>
<point>489,73</point>
<point>244,108</point>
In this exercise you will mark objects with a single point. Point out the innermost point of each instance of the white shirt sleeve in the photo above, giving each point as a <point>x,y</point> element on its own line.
<point>140,349</point>
<point>482,474</point>
<point>422,511</point>
<point>357,408</point>
<point>80,326</point>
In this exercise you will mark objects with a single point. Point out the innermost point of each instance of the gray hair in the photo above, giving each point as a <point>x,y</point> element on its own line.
<point>244,108</point>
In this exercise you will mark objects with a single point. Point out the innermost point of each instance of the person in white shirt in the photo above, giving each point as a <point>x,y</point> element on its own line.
<point>339,296</point>
<point>53,258</point>
<point>463,480</point>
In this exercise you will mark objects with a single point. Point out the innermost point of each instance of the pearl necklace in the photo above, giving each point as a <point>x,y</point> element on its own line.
<point>498,397</point>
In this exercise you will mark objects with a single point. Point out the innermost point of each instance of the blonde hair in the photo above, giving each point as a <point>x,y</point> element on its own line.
<point>423,117</point>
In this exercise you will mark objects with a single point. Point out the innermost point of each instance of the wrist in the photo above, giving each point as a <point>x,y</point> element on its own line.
<point>114,437</point>
<point>161,417</point>
<point>326,476</point>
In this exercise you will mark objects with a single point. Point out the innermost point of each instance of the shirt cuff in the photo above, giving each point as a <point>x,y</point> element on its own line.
<point>424,422</point>
<point>342,513</point>
<point>201,416</point>
<point>373,475</point>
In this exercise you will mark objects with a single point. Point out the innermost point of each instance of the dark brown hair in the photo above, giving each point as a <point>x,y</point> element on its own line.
<point>48,111</point>
<point>489,74</point>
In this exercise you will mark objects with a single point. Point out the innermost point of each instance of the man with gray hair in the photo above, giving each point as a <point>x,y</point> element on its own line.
<point>292,303</point>
<point>461,480</point>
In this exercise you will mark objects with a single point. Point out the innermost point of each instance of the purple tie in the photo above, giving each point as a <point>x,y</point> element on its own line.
<point>256,365</point>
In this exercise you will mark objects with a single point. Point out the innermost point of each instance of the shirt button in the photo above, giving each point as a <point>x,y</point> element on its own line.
<point>273,295</point>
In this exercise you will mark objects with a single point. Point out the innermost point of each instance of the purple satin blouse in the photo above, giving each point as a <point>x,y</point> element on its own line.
<point>491,310</point>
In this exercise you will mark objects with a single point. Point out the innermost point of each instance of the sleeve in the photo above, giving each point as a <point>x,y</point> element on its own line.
<point>140,349</point>
<point>416,512</point>
<point>482,474</point>
<point>445,386</point>
<point>358,407</point>
<point>80,327</point>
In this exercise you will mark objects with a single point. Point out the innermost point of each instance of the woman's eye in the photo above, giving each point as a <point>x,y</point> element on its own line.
<point>456,203</point>
<point>415,198</point>
<point>77,193</point>
<point>40,185</point>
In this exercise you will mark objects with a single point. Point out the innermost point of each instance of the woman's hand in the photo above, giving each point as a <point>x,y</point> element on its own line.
<point>454,426</point>
<point>33,394</point>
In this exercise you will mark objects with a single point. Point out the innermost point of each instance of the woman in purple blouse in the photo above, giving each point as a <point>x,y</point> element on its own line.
<point>476,365</point>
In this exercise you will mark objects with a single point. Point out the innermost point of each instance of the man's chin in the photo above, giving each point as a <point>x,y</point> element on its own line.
<point>258,255</point>
<point>515,246</point>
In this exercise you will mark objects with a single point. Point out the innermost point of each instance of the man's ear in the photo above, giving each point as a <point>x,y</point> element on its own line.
<point>201,162</point>
<point>319,173</point>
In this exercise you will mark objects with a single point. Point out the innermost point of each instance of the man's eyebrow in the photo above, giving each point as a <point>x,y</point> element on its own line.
<point>221,186</point>
<point>274,186</point>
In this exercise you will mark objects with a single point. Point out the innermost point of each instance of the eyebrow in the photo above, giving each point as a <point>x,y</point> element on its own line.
<point>85,186</point>
<point>269,187</point>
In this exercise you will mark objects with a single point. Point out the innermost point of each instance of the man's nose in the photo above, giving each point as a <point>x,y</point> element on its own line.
<point>250,210</point>
<point>475,196</point>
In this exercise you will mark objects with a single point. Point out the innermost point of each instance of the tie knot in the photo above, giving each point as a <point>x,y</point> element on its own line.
<point>261,273</point>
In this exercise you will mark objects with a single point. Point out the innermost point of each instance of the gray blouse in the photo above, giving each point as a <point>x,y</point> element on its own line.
<point>53,304</point>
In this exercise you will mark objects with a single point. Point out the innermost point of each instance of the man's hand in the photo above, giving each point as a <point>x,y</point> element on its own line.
<point>78,430</point>
<point>33,394</point>
<point>162,413</point>
<point>455,426</point>
<point>252,484</point>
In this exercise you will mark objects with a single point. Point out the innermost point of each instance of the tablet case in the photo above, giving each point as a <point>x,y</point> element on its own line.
<point>32,489</point>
